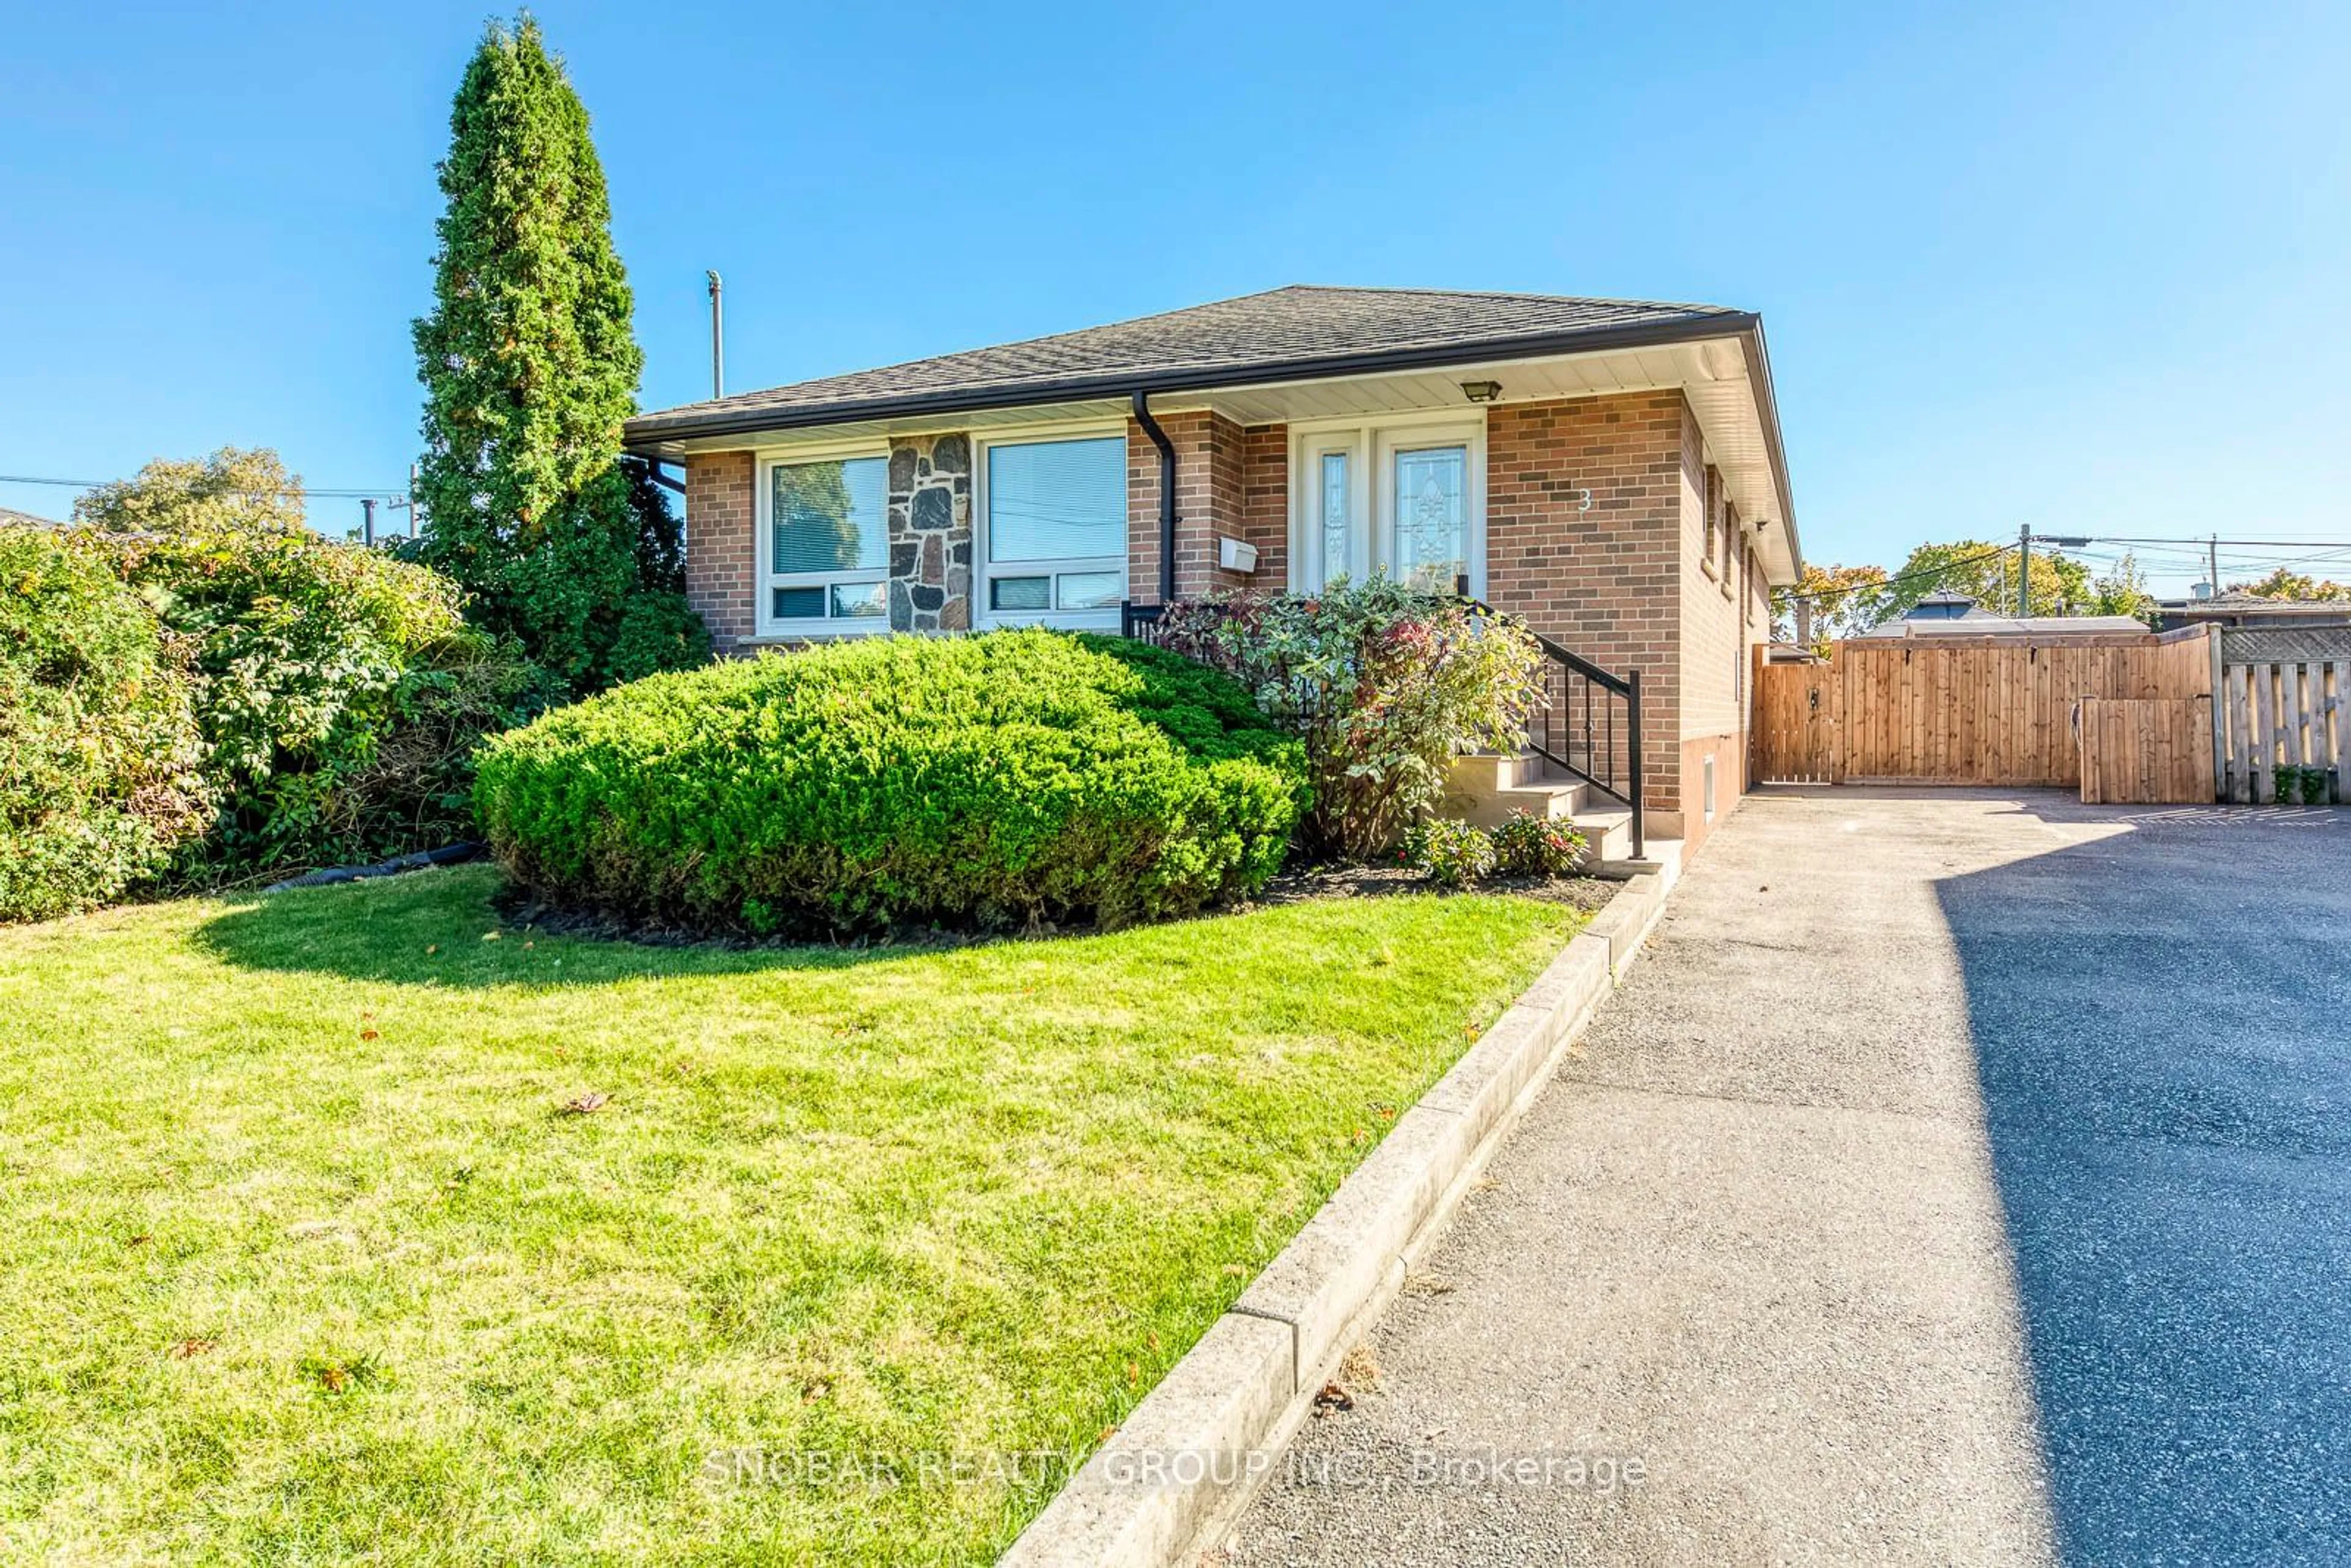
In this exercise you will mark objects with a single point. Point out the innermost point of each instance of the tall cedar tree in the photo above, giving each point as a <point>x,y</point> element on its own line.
<point>529,367</point>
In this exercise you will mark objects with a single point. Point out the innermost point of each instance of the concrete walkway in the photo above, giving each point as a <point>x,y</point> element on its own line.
<point>1921,1103</point>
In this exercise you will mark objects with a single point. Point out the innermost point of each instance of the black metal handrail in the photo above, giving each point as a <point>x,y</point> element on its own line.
<point>1569,673</point>
<point>1589,744</point>
<point>1602,754</point>
<point>1141,622</point>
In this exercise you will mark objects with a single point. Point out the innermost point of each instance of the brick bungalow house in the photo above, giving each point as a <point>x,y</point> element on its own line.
<point>1609,470</point>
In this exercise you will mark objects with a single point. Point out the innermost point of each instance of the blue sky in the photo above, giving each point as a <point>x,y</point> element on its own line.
<point>2087,270</point>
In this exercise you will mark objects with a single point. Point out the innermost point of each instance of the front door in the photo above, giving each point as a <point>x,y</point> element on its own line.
<point>1424,511</point>
<point>1406,498</point>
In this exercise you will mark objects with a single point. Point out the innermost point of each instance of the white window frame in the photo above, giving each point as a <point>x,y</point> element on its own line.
<point>764,621</point>
<point>984,569</point>
<point>1313,571</point>
<point>1373,444</point>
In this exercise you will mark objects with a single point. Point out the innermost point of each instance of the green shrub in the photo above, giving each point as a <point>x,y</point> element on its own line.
<point>1449,854</point>
<point>340,691</point>
<point>979,782</point>
<point>2309,785</point>
<point>1528,845</point>
<point>655,630</point>
<point>100,753</point>
<point>1384,685</point>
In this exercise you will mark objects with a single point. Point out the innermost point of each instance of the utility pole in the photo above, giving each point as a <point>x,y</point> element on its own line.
<point>2212,566</point>
<point>717,338</point>
<point>407,503</point>
<point>2024,572</point>
<point>367,523</point>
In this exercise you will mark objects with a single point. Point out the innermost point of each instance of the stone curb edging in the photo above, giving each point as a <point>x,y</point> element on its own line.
<point>1193,1452</point>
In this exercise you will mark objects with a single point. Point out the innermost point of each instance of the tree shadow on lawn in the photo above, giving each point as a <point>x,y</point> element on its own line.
<point>465,926</point>
<point>447,928</point>
<point>2159,1019</point>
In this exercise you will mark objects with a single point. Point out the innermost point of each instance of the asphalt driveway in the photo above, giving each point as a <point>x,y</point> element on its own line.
<point>1959,1177</point>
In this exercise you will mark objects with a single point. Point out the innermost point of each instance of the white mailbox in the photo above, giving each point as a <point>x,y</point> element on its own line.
<point>1236,555</point>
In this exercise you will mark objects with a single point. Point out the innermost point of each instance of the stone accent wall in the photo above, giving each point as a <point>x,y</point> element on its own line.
<point>721,557</point>
<point>930,533</point>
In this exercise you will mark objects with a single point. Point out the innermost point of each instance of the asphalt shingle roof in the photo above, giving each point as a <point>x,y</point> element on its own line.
<point>24,519</point>
<point>1296,329</point>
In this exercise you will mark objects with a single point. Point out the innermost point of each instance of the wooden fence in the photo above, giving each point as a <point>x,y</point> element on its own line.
<point>1967,710</point>
<point>2278,714</point>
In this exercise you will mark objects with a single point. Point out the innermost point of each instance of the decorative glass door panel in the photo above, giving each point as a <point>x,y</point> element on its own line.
<point>1335,542</point>
<point>1428,543</point>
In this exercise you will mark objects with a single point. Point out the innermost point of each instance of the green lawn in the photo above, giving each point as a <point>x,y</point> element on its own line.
<point>301,1259</point>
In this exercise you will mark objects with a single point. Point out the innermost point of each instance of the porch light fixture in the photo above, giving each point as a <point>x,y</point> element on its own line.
<point>1481,391</point>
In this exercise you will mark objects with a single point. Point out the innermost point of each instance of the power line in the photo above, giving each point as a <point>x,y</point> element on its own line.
<point>321,491</point>
<point>2192,557</point>
<point>2226,544</point>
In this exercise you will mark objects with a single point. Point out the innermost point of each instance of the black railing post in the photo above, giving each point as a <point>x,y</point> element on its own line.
<point>1590,757</point>
<point>1633,760</point>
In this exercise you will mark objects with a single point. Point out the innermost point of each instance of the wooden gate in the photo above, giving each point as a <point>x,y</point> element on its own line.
<point>2137,750</point>
<point>1795,724</point>
<point>1964,710</point>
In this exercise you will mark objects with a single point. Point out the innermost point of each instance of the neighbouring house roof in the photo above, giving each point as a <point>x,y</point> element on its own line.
<point>12,519</point>
<point>1981,623</point>
<point>2243,608</point>
<point>1300,330</point>
<point>1944,604</point>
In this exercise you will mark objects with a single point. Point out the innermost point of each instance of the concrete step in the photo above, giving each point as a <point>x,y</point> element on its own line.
<point>1607,834</point>
<point>1485,787</point>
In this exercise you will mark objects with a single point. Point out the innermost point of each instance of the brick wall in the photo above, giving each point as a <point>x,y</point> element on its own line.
<point>1265,503</point>
<point>1143,511</point>
<point>1229,480</point>
<point>1713,630</point>
<point>1717,631</point>
<point>1605,581</point>
<point>721,561</point>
